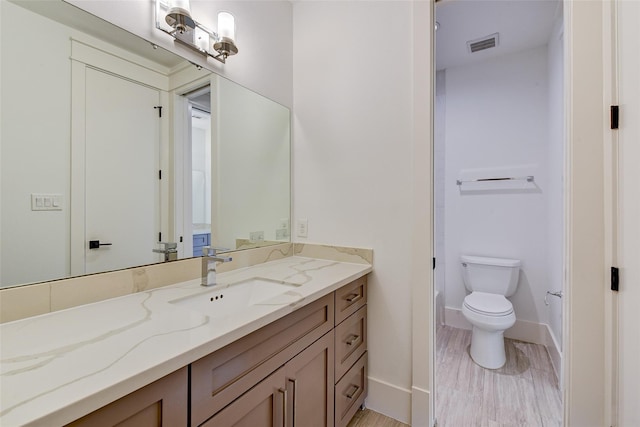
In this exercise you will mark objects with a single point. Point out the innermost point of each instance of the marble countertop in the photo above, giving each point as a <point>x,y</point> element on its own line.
<point>57,367</point>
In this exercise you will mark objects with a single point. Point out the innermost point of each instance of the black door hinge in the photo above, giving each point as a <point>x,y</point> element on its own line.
<point>434,263</point>
<point>160,237</point>
<point>180,239</point>
<point>159,108</point>
<point>615,279</point>
<point>615,116</point>
<point>160,174</point>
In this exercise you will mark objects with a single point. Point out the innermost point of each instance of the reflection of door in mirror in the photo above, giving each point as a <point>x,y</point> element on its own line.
<point>115,179</point>
<point>121,178</point>
<point>200,108</point>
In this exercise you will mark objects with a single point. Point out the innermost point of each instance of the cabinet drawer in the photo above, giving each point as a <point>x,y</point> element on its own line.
<point>350,298</point>
<point>219,378</point>
<point>351,341</point>
<point>200,239</point>
<point>351,391</point>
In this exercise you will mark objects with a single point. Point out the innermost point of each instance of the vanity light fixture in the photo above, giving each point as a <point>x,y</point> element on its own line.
<point>174,18</point>
<point>179,16</point>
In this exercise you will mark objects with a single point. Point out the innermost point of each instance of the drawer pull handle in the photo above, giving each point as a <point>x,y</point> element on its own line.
<point>353,297</point>
<point>352,339</point>
<point>283,391</point>
<point>353,391</point>
<point>294,382</point>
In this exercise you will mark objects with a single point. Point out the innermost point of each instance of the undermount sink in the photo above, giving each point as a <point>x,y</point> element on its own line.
<point>224,300</point>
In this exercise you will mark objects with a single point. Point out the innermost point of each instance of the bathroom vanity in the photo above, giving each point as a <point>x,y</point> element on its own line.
<point>290,356</point>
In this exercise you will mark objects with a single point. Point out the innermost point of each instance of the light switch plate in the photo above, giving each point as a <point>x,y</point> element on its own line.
<point>302,227</point>
<point>46,202</point>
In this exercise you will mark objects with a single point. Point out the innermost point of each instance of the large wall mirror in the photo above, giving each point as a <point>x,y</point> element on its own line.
<point>110,146</point>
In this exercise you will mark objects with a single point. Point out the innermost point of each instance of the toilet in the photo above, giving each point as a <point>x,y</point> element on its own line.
<point>490,281</point>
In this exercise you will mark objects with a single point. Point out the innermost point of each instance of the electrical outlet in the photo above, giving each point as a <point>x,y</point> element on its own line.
<point>256,236</point>
<point>302,227</point>
<point>284,223</point>
<point>281,234</point>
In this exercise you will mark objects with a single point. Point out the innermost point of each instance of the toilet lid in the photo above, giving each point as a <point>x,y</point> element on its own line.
<point>488,304</point>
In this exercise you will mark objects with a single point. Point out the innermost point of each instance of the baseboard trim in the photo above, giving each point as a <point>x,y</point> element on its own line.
<point>421,414</point>
<point>389,400</point>
<point>555,352</point>
<point>537,333</point>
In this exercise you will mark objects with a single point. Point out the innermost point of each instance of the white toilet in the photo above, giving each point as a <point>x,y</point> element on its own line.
<point>490,280</point>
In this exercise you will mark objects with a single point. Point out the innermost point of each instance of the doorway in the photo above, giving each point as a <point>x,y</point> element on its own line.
<point>197,171</point>
<point>499,193</point>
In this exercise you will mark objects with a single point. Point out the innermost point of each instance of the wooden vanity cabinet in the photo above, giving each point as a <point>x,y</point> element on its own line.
<point>298,394</point>
<point>220,378</point>
<point>307,369</point>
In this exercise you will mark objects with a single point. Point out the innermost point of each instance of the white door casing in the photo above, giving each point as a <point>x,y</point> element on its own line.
<point>628,212</point>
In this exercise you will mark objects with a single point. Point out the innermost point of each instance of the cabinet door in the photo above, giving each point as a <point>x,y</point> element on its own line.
<point>310,385</point>
<point>262,406</point>
<point>221,377</point>
<point>162,403</point>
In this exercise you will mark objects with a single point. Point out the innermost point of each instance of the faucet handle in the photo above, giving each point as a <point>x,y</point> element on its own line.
<point>212,250</point>
<point>169,246</point>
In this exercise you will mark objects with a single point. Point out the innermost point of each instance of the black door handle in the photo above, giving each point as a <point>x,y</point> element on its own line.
<point>95,244</point>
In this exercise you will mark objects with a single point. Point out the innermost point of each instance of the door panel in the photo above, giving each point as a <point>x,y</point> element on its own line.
<point>310,385</point>
<point>122,135</point>
<point>629,211</point>
<point>262,406</point>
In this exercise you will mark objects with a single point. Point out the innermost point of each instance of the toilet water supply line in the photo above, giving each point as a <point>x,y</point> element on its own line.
<point>555,294</point>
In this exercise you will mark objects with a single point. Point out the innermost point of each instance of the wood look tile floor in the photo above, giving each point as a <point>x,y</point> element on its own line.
<point>524,392</point>
<point>368,418</point>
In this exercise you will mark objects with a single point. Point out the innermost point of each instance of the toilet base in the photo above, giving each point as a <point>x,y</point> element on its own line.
<point>487,348</point>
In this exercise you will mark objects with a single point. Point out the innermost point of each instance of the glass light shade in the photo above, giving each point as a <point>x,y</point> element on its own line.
<point>226,25</point>
<point>179,6</point>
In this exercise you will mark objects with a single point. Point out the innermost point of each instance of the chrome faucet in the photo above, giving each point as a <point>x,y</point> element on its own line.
<point>170,251</point>
<point>209,262</point>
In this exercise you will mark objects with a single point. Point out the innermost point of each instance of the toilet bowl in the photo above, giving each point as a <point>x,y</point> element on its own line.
<point>490,281</point>
<point>490,315</point>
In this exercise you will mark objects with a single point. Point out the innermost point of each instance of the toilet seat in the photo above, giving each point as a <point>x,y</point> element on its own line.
<point>487,304</point>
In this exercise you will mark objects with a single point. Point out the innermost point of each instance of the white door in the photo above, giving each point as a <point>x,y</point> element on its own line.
<point>122,196</point>
<point>629,212</point>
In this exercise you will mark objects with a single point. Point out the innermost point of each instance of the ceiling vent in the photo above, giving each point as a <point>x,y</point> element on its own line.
<point>483,43</point>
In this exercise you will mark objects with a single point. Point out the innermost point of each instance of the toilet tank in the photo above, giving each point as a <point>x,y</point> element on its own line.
<point>492,275</point>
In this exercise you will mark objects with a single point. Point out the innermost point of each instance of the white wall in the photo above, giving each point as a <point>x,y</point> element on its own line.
<point>353,163</point>
<point>496,117</point>
<point>263,36</point>
<point>254,165</point>
<point>35,159</point>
